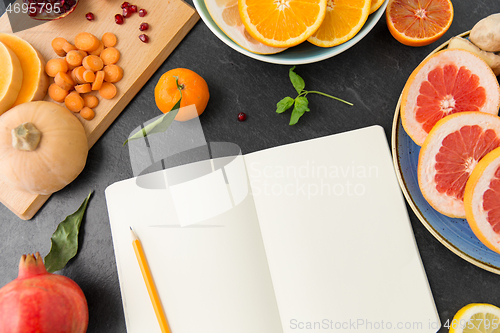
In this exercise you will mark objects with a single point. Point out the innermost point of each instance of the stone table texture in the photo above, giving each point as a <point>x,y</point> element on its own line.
<point>371,75</point>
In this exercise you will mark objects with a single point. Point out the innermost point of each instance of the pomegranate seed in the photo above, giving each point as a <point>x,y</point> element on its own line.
<point>133,8</point>
<point>125,5</point>
<point>89,16</point>
<point>127,12</point>
<point>144,26</point>
<point>142,12</point>
<point>144,38</point>
<point>242,116</point>
<point>119,19</point>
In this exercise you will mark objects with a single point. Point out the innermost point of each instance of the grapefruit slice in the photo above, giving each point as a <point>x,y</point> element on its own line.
<point>282,23</point>
<point>418,22</point>
<point>449,154</point>
<point>227,17</point>
<point>447,82</point>
<point>482,200</point>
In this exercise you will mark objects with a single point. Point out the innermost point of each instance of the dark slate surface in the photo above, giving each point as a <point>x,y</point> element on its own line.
<point>371,75</point>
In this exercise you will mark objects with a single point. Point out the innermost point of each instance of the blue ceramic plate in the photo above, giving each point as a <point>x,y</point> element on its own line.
<point>455,234</point>
<point>304,53</point>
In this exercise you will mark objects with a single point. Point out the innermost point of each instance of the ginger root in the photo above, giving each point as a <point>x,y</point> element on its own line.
<point>492,59</point>
<point>486,33</point>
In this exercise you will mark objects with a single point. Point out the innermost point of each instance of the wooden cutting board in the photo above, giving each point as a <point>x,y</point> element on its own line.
<point>169,21</point>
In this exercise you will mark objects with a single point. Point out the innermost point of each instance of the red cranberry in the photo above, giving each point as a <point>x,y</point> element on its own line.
<point>127,12</point>
<point>142,12</point>
<point>119,19</point>
<point>242,116</point>
<point>144,38</point>
<point>125,5</point>
<point>133,8</point>
<point>144,26</point>
<point>89,16</point>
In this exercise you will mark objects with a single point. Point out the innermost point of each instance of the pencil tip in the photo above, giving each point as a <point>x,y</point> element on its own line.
<point>130,228</point>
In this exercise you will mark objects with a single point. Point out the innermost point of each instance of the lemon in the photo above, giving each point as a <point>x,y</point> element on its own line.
<point>476,318</point>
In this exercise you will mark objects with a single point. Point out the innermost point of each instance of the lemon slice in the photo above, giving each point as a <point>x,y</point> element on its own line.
<point>476,318</point>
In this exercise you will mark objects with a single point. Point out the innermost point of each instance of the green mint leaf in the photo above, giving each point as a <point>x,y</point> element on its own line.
<point>297,81</point>
<point>301,107</point>
<point>162,123</point>
<point>284,104</point>
<point>64,241</point>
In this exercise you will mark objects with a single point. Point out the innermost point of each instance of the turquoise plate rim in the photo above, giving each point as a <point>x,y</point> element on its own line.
<point>304,53</point>
<point>454,234</point>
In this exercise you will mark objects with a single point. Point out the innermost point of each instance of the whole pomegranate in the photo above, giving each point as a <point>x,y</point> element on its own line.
<point>40,302</point>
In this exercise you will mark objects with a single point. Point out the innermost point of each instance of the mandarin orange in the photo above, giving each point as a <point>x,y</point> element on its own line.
<point>194,93</point>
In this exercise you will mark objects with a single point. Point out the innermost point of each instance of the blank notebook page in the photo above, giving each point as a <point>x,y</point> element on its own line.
<point>338,238</point>
<point>212,277</point>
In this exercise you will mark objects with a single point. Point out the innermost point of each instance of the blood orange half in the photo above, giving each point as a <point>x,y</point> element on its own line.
<point>450,153</point>
<point>418,22</point>
<point>447,82</point>
<point>482,200</point>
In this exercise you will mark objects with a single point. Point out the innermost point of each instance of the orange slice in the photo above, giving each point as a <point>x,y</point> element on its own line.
<point>375,5</point>
<point>282,23</point>
<point>227,17</point>
<point>447,82</point>
<point>418,22</point>
<point>482,200</point>
<point>449,155</point>
<point>343,20</point>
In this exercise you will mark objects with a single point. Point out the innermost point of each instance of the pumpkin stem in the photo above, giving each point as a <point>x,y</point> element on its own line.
<point>26,137</point>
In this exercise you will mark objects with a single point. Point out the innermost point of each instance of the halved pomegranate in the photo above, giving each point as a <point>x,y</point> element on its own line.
<point>48,10</point>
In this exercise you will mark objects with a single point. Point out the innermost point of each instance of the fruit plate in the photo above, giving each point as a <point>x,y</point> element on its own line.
<point>453,233</point>
<point>304,53</point>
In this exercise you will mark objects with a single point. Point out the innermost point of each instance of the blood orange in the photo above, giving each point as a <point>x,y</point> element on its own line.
<point>447,82</point>
<point>418,22</point>
<point>449,154</point>
<point>482,200</point>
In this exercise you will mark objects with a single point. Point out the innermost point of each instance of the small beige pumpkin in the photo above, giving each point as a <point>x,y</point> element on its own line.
<point>43,147</point>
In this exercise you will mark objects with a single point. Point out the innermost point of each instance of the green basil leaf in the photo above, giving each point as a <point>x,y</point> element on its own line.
<point>302,103</point>
<point>157,126</point>
<point>64,241</point>
<point>301,107</point>
<point>297,81</point>
<point>284,104</point>
<point>162,123</point>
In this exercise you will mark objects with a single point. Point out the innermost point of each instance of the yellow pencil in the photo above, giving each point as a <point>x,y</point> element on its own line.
<point>148,279</point>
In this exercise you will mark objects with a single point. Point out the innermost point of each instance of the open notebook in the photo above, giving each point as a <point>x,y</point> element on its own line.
<point>314,237</point>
